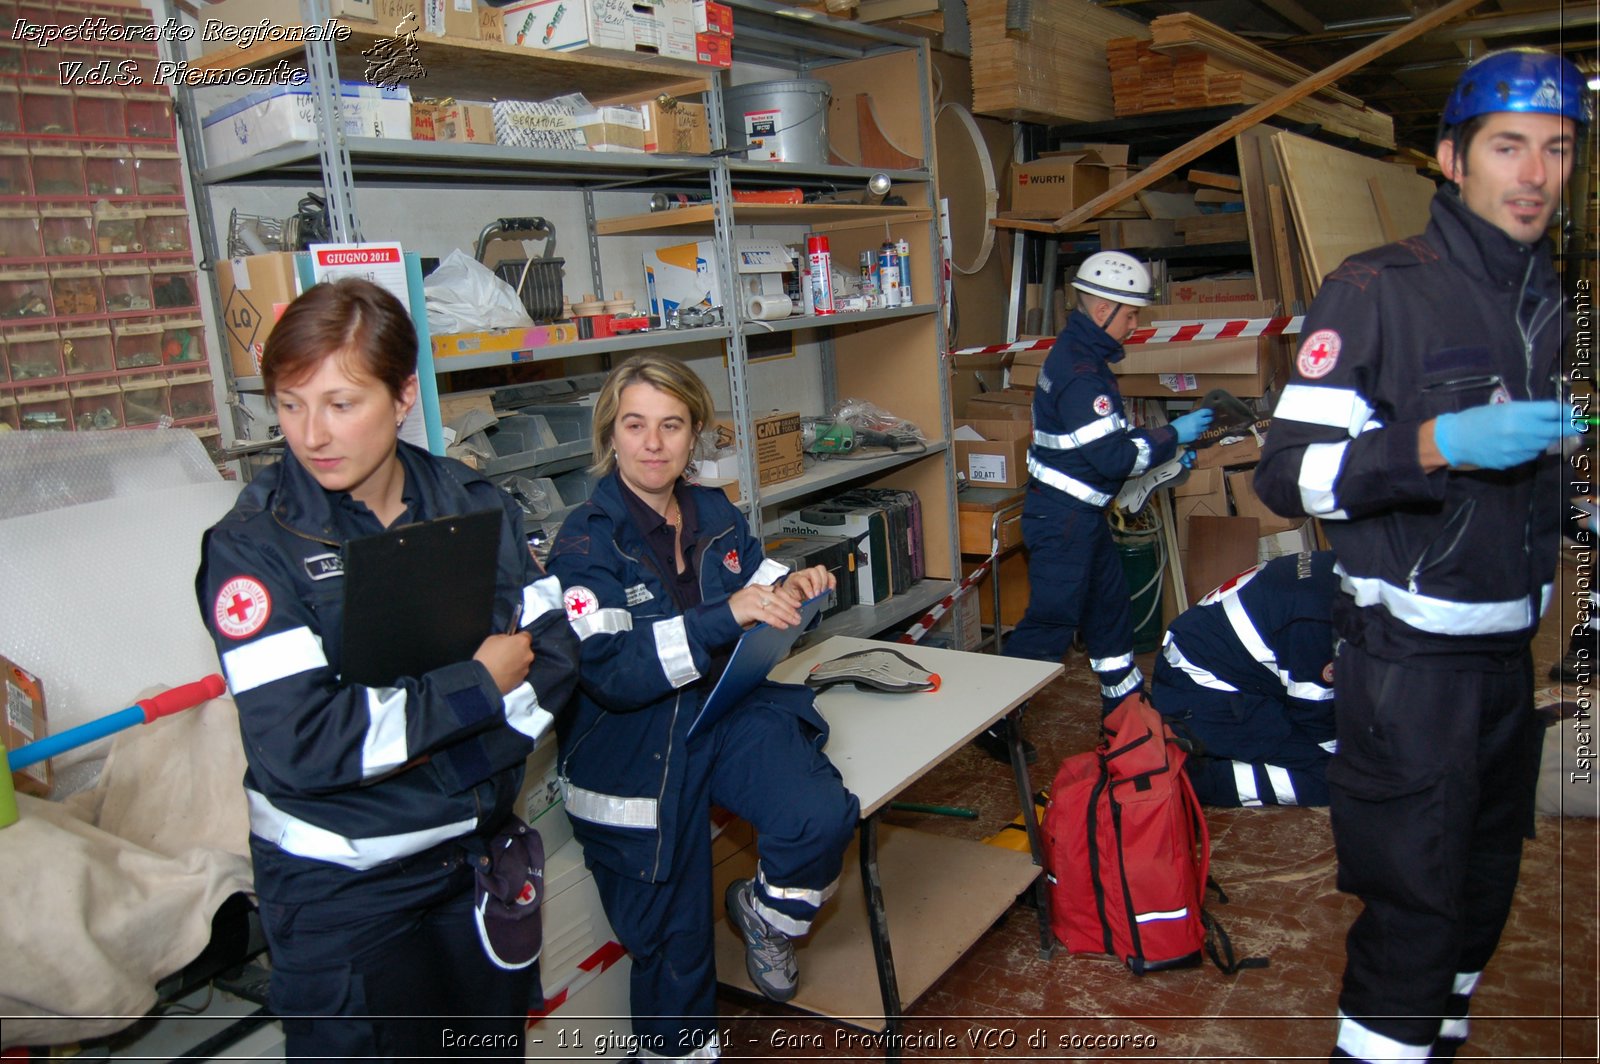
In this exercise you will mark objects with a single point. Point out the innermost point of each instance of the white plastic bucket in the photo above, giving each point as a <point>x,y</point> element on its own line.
<point>779,121</point>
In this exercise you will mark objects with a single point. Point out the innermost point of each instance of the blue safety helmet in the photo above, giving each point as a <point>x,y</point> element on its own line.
<point>1526,80</point>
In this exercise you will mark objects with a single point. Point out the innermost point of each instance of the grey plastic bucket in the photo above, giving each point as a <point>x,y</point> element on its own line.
<point>778,121</point>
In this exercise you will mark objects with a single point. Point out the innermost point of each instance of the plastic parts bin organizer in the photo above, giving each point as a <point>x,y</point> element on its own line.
<point>537,281</point>
<point>538,435</point>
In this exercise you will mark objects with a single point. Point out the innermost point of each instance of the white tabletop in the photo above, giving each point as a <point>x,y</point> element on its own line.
<point>881,742</point>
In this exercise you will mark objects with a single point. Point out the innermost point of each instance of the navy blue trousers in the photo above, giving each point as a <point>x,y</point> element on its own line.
<point>389,966</point>
<point>759,763</point>
<point>1432,794</point>
<point>1075,582</point>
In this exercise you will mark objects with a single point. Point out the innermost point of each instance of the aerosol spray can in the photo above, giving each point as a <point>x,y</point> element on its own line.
<point>869,283</point>
<point>889,274</point>
<point>903,252</point>
<point>821,273</point>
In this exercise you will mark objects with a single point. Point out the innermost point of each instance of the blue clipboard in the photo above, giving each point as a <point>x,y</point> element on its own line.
<point>755,655</point>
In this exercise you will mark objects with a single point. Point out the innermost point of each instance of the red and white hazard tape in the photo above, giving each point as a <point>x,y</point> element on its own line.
<point>589,969</point>
<point>1218,329</point>
<point>925,623</point>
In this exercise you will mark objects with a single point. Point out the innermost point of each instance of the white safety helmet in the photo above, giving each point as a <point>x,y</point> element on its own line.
<point>1115,275</point>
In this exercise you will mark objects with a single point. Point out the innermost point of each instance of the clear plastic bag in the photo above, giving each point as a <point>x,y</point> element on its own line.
<point>464,295</point>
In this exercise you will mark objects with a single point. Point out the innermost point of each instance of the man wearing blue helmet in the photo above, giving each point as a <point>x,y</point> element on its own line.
<point>1423,425</point>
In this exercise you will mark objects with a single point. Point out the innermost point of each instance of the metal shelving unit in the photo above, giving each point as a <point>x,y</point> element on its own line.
<point>902,347</point>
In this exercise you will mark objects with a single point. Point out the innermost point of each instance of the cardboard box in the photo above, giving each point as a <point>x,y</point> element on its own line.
<point>712,17</point>
<point>778,448</point>
<point>612,129</point>
<point>524,342</point>
<point>1011,403</point>
<point>661,27</point>
<point>1241,489</point>
<point>253,290</point>
<point>24,723</point>
<point>678,129</point>
<point>534,124</point>
<point>249,14</point>
<point>681,275</point>
<point>1201,494</point>
<point>1000,459</point>
<point>1138,233</point>
<point>1184,313</point>
<point>1052,186</point>
<point>1293,541</point>
<point>1213,290</point>
<point>713,50</point>
<point>398,16</point>
<point>1237,448</point>
<point>1245,367</point>
<point>457,123</point>
<point>1025,368</point>
<point>462,19</point>
<point>285,114</point>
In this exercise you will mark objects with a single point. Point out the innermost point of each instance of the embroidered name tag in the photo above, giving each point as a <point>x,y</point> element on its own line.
<point>323,566</point>
<point>638,593</point>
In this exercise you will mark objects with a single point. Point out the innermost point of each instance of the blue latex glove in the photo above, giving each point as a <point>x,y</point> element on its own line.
<point>1502,435</point>
<point>1192,424</point>
<point>1187,458</point>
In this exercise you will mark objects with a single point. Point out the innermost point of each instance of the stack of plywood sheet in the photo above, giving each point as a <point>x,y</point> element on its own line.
<point>1323,188</point>
<point>1055,71</point>
<point>1188,62</point>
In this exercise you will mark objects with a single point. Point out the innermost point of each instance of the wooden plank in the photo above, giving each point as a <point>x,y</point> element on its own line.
<point>1283,257</point>
<point>1226,182</point>
<point>1247,146</point>
<point>1385,219</point>
<point>1333,224</point>
<point>1197,147</point>
<point>876,148</point>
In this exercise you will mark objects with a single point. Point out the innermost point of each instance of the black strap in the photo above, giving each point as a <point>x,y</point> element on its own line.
<point>1215,934</point>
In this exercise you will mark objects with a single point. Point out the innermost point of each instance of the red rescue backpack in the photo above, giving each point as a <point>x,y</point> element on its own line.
<point>1128,851</point>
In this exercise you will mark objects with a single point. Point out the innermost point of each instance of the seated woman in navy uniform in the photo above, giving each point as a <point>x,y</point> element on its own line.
<point>662,577</point>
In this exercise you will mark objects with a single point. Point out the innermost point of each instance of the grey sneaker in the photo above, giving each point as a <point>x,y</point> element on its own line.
<point>768,953</point>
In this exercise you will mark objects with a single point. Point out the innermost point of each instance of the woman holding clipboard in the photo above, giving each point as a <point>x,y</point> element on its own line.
<point>661,578</point>
<point>380,813</point>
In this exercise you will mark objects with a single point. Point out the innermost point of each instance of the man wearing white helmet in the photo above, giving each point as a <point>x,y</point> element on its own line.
<point>1422,425</point>
<point>1083,449</point>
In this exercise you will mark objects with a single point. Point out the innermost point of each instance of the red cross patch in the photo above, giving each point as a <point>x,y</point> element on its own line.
<point>527,894</point>
<point>242,608</point>
<point>1102,405</point>
<point>1318,354</point>
<point>1499,395</point>
<point>580,602</point>
<point>730,562</point>
<point>1327,673</point>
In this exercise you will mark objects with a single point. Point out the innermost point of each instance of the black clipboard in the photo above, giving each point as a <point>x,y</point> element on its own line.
<point>755,655</point>
<point>418,597</point>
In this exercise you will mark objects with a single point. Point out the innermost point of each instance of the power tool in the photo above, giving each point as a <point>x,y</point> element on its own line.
<point>841,437</point>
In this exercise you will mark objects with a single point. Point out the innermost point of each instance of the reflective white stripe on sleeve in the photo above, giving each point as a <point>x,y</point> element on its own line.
<point>1061,482</point>
<point>303,839</point>
<point>672,650</point>
<point>524,713</point>
<point>607,809</point>
<point>1366,1044</point>
<point>539,598</point>
<point>1306,689</point>
<point>1332,746</point>
<point>609,622</point>
<point>1200,676</point>
<point>1142,462</point>
<point>1442,616</point>
<point>273,657</point>
<point>1167,914</point>
<point>1334,408</point>
<point>1094,430</point>
<point>384,746</point>
<point>814,898</point>
<point>1282,786</point>
<point>1319,468</point>
<point>1244,782</point>
<point>1121,661</point>
<point>770,571</point>
<point>1454,1028</point>
<point>1244,629</point>
<point>1466,983</point>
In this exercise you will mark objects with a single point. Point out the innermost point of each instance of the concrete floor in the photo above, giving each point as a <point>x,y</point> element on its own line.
<point>1537,999</point>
